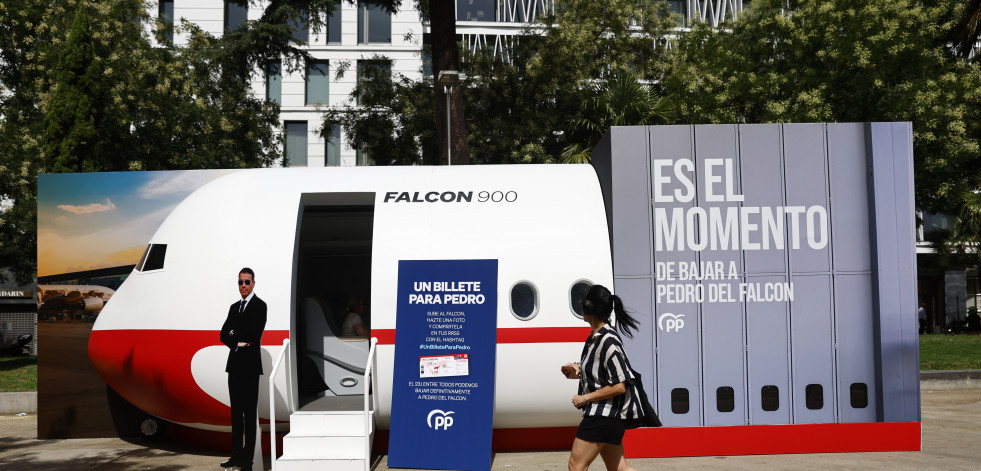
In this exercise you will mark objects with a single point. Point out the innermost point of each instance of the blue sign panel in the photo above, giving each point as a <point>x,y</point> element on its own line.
<point>445,347</point>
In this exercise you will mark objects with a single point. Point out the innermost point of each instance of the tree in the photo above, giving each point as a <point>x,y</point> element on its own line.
<point>390,119</point>
<point>966,33</point>
<point>25,37</point>
<point>76,114</point>
<point>152,108</point>
<point>620,101</point>
<point>836,60</point>
<point>520,106</point>
<point>83,88</point>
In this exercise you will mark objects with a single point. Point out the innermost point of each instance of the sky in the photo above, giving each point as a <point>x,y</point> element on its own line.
<point>87,221</point>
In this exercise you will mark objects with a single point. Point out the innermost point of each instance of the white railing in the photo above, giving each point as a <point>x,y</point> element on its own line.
<point>367,415</point>
<point>272,400</point>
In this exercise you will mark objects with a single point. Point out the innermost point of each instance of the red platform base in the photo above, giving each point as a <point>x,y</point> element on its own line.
<point>664,442</point>
<point>771,439</point>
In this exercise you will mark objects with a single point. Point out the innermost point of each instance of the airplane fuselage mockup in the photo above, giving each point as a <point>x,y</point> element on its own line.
<point>304,231</point>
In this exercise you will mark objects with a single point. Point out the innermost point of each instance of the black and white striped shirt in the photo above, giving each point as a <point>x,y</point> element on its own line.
<point>604,363</point>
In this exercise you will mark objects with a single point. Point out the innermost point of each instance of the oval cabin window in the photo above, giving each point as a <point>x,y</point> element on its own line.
<point>576,293</point>
<point>524,300</point>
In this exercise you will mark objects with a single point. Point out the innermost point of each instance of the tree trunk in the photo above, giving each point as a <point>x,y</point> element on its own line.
<point>446,56</point>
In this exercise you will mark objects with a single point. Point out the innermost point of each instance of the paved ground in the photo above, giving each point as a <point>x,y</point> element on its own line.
<point>951,441</point>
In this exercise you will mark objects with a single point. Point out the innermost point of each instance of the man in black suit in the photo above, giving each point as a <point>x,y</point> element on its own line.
<point>242,334</point>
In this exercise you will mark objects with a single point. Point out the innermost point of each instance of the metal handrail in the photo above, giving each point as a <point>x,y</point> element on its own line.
<point>367,420</point>
<point>272,401</point>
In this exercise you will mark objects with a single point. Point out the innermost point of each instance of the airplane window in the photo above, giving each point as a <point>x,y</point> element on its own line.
<point>576,293</point>
<point>725,399</point>
<point>770,397</point>
<point>154,259</point>
<point>859,395</point>
<point>814,396</point>
<point>679,401</point>
<point>139,265</point>
<point>524,300</point>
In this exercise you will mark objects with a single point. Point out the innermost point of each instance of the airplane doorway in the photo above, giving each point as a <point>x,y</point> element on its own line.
<point>332,291</point>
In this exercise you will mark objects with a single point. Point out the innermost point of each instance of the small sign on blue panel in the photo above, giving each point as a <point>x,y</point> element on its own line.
<point>445,347</point>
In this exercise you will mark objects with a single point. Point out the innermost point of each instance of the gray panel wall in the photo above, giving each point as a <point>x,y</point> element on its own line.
<point>822,212</point>
<point>852,256</point>
<point>805,149</point>
<point>678,349</point>
<point>897,337</point>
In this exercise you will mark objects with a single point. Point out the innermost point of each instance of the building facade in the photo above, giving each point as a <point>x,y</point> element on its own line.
<point>357,35</point>
<point>18,315</point>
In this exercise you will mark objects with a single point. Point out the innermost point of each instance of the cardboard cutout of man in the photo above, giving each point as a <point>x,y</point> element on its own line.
<point>242,334</point>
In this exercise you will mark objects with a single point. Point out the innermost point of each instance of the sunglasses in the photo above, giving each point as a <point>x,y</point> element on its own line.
<point>247,282</point>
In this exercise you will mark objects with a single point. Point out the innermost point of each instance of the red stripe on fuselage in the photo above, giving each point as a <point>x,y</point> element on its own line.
<point>512,335</point>
<point>152,370</point>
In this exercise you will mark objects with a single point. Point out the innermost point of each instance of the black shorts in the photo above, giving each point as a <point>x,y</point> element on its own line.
<point>601,430</point>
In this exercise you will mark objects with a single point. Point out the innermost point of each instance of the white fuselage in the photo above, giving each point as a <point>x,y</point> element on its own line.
<point>544,224</point>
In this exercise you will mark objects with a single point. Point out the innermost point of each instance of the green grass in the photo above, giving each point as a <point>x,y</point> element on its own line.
<point>950,352</point>
<point>18,374</point>
<point>937,352</point>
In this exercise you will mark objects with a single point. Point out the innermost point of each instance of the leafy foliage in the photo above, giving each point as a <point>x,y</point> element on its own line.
<point>78,103</point>
<point>620,101</point>
<point>967,32</point>
<point>836,60</point>
<point>390,119</point>
<point>524,110</point>
<point>84,88</point>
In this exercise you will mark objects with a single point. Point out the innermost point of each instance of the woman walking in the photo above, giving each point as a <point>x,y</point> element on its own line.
<point>607,393</point>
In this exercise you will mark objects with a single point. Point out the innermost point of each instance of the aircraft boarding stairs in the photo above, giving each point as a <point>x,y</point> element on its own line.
<point>335,430</point>
<point>329,433</point>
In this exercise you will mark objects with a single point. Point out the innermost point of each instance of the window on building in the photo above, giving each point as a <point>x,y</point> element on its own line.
<point>332,141</point>
<point>427,59</point>
<point>362,158</point>
<point>274,82</point>
<point>318,83</point>
<point>475,10</point>
<point>165,14</point>
<point>524,300</point>
<point>334,25</point>
<point>236,13</point>
<point>814,396</point>
<point>859,395</point>
<point>725,399</point>
<point>679,401</point>
<point>301,28</point>
<point>296,143</point>
<point>680,7</point>
<point>374,24</point>
<point>770,398</point>
<point>371,71</point>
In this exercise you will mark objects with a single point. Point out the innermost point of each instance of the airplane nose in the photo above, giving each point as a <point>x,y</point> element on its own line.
<point>152,370</point>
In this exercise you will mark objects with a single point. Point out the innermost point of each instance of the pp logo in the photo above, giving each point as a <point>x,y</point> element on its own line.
<point>668,322</point>
<point>442,419</point>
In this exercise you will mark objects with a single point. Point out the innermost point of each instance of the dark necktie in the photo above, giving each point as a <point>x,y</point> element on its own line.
<point>241,307</point>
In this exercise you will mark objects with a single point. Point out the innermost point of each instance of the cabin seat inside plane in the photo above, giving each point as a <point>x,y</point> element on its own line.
<point>340,362</point>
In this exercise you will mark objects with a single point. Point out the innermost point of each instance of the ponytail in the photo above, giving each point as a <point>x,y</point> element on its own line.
<point>625,322</point>
<point>599,302</point>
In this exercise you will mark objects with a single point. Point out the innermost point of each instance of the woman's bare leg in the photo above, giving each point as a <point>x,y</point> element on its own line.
<point>583,453</point>
<point>614,459</point>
